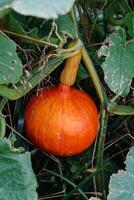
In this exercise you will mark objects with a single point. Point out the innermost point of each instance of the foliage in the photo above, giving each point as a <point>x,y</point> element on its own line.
<point>121,184</point>
<point>40,8</point>
<point>9,61</point>
<point>118,65</point>
<point>34,38</point>
<point>17,180</point>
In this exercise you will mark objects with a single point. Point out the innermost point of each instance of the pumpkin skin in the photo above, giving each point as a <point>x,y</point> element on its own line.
<point>61,120</point>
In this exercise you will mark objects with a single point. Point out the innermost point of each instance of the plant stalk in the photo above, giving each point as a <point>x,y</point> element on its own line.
<point>100,150</point>
<point>34,40</point>
<point>69,73</point>
<point>120,109</point>
<point>103,119</point>
<point>93,74</point>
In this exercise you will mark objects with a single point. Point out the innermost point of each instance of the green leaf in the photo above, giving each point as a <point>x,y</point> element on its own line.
<point>121,184</point>
<point>120,109</point>
<point>119,62</point>
<point>42,8</point>
<point>130,23</point>
<point>82,73</point>
<point>12,24</point>
<point>65,26</point>
<point>17,180</point>
<point>10,64</point>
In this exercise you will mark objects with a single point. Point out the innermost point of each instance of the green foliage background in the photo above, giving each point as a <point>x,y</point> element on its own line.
<point>33,46</point>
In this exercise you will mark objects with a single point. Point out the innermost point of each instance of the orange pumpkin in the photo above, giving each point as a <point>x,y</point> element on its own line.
<point>62,120</point>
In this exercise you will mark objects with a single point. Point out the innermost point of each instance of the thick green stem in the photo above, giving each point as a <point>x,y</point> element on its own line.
<point>100,150</point>
<point>120,109</point>
<point>93,74</point>
<point>2,125</point>
<point>103,118</point>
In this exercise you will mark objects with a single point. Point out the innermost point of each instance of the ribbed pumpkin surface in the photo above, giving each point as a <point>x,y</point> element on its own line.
<point>61,120</point>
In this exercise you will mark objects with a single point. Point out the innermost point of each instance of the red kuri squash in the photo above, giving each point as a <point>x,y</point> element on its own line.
<point>62,120</point>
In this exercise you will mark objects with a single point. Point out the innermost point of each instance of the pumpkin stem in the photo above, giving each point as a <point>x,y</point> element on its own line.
<point>69,73</point>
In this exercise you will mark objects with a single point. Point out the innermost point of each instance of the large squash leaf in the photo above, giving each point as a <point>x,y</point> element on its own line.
<point>41,8</point>
<point>119,62</point>
<point>10,64</point>
<point>17,180</point>
<point>122,184</point>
